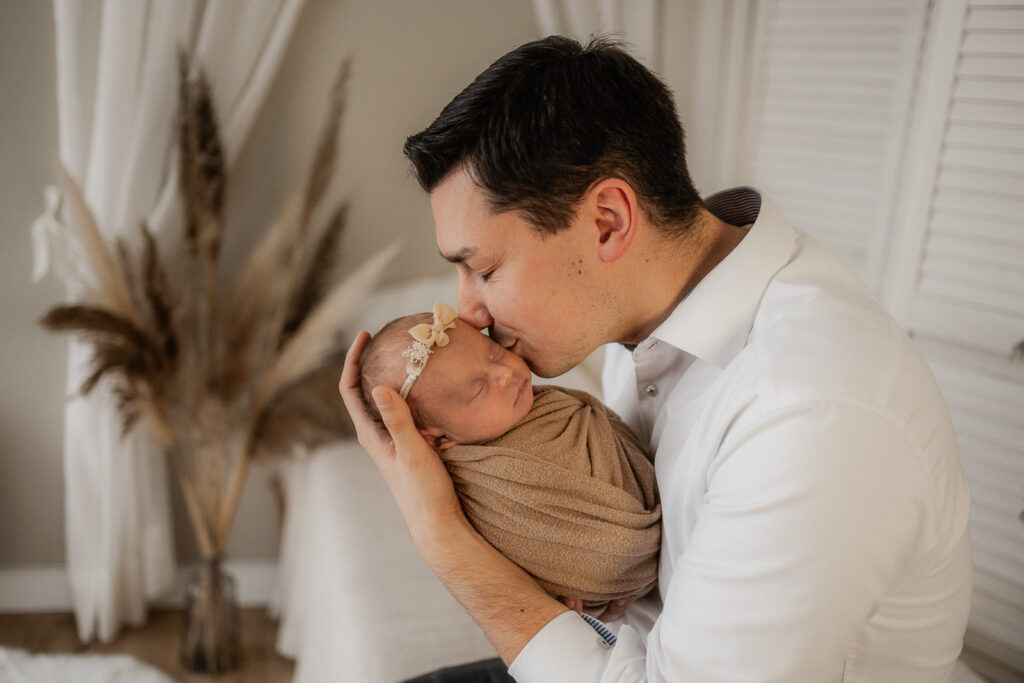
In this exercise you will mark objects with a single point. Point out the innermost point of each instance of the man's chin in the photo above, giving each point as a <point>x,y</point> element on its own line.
<point>542,366</point>
<point>547,367</point>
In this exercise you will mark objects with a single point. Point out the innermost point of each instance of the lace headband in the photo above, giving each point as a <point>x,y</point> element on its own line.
<point>426,336</point>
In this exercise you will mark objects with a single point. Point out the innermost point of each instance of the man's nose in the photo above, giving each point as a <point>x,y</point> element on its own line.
<point>472,309</point>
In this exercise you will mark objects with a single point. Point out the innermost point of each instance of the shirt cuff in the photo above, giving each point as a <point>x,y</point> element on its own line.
<point>566,649</point>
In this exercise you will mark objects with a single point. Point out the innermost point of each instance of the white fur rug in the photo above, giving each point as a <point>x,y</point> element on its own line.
<point>19,666</point>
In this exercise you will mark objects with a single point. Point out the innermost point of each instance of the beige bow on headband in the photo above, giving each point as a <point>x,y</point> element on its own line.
<point>426,336</point>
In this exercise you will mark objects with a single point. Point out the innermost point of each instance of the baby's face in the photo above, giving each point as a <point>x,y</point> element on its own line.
<point>476,388</point>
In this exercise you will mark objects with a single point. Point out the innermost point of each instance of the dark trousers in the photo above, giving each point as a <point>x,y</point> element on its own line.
<point>484,671</point>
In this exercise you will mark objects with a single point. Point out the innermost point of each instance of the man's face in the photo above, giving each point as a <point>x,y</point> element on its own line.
<point>536,293</point>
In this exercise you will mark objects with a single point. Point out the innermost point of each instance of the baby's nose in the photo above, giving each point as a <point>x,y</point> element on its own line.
<point>503,376</point>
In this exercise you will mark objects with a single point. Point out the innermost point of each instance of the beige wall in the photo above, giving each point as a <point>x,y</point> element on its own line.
<point>411,57</point>
<point>31,363</point>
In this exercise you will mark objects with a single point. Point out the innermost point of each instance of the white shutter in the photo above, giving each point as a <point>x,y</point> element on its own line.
<point>898,128</point>
<point>957,283</point>
<point>832,84</point>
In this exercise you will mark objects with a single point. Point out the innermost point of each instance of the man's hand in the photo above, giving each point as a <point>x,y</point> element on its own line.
<point>415,474</point>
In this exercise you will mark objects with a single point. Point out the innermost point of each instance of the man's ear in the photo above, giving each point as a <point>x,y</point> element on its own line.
<point>437,439</point>
<point>613,205</point>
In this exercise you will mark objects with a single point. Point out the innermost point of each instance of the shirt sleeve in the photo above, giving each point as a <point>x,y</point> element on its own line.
<point>570,647</point>
<point>808,517</point>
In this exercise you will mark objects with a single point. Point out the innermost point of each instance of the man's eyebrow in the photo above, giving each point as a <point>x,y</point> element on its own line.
<point>459,256</point>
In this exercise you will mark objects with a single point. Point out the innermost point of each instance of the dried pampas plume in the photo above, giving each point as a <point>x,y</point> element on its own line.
<point>220,389</point>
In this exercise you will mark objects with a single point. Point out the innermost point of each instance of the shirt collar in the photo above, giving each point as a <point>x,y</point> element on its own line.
<point>714,320</point>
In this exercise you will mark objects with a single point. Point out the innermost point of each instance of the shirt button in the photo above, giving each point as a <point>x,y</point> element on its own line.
<point>603,643</point>
<point>651,389</point>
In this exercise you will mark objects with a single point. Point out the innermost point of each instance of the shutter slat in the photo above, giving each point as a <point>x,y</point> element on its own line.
<point>784,108</point>
<point>972,227</point>
<point>1000,574</point>
<point>982,251</point>
<point>990,112</point>
<point>963,384</point>
<point>978,43</point>
<point>997,511</point>
<point>964,322</point>
<point>871,25</point>
<point>1005,622</point>
<point>990,478</point>
<point>1007,302</point>
<point>810,161</point>
<point>982,181</point>
<point>833,136</point>
<point>795,175</point>
<point>1007,161</point>
<point>880,62</point>
<point>1002,19</point>
<point>1002,287</point>
<point>996,90</point>
<point>847,10</point>
<point>973,134</point>
<point>973,204</point>
<point>983,367</point>
<point>838,92</point>
<point>1005,438</point>
<point>1000,67</point>
<point>996,3</point>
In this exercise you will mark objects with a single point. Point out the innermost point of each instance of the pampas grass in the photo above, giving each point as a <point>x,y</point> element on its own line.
<point>219,383</point>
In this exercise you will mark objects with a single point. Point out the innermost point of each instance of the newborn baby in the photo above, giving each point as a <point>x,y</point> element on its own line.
<point>550,477</point>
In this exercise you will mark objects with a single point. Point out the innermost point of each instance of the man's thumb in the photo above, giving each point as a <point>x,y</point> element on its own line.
<point>393,411</point>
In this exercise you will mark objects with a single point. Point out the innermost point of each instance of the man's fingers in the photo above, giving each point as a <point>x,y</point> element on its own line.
<point>350,372</point>
<point>352,393</point>
<point>397,418</point>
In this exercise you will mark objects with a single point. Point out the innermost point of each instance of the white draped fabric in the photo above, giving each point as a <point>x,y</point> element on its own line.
<point>715,77</point>
<point>116,94</point>
<point>637,22</point>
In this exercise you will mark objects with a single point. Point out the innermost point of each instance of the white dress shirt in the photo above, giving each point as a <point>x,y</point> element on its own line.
<point>814,506</point>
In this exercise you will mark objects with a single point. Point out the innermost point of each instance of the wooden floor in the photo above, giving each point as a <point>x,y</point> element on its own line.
<point>156,643</point>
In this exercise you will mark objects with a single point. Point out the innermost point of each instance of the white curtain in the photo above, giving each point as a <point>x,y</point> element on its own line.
<point>638,22</point>
<point>116,96</point>
<point>702,48</point>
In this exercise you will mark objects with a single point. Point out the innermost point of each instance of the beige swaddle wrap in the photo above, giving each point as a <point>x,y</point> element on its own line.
<point>568,494</point>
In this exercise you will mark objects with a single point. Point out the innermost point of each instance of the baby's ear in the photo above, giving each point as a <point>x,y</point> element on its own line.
<point>436,438</point>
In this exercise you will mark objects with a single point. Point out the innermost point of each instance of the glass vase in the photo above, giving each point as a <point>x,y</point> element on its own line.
<point>210,633</point>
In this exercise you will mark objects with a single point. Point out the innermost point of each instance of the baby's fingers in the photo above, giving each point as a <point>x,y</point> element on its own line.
<point>574,604</point>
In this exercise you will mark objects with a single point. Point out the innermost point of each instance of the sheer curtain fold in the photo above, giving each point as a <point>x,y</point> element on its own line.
<point>116,93</point>
<point>638,22</point>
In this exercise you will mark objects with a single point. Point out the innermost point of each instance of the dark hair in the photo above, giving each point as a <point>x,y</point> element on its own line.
<point>541,124</point>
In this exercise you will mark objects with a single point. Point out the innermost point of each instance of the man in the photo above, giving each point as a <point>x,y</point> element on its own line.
<point>814,507</point>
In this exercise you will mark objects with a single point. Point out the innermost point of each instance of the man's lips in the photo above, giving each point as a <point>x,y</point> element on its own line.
<point>507,341</point>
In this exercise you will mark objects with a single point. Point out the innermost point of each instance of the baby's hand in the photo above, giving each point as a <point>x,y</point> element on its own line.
<point>573,603</point>
<point>614,611</point>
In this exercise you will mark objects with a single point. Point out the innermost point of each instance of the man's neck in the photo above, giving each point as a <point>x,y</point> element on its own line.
<point>673,268</point>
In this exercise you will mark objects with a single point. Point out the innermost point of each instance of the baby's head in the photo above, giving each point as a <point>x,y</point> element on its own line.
<point>470,390</point>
